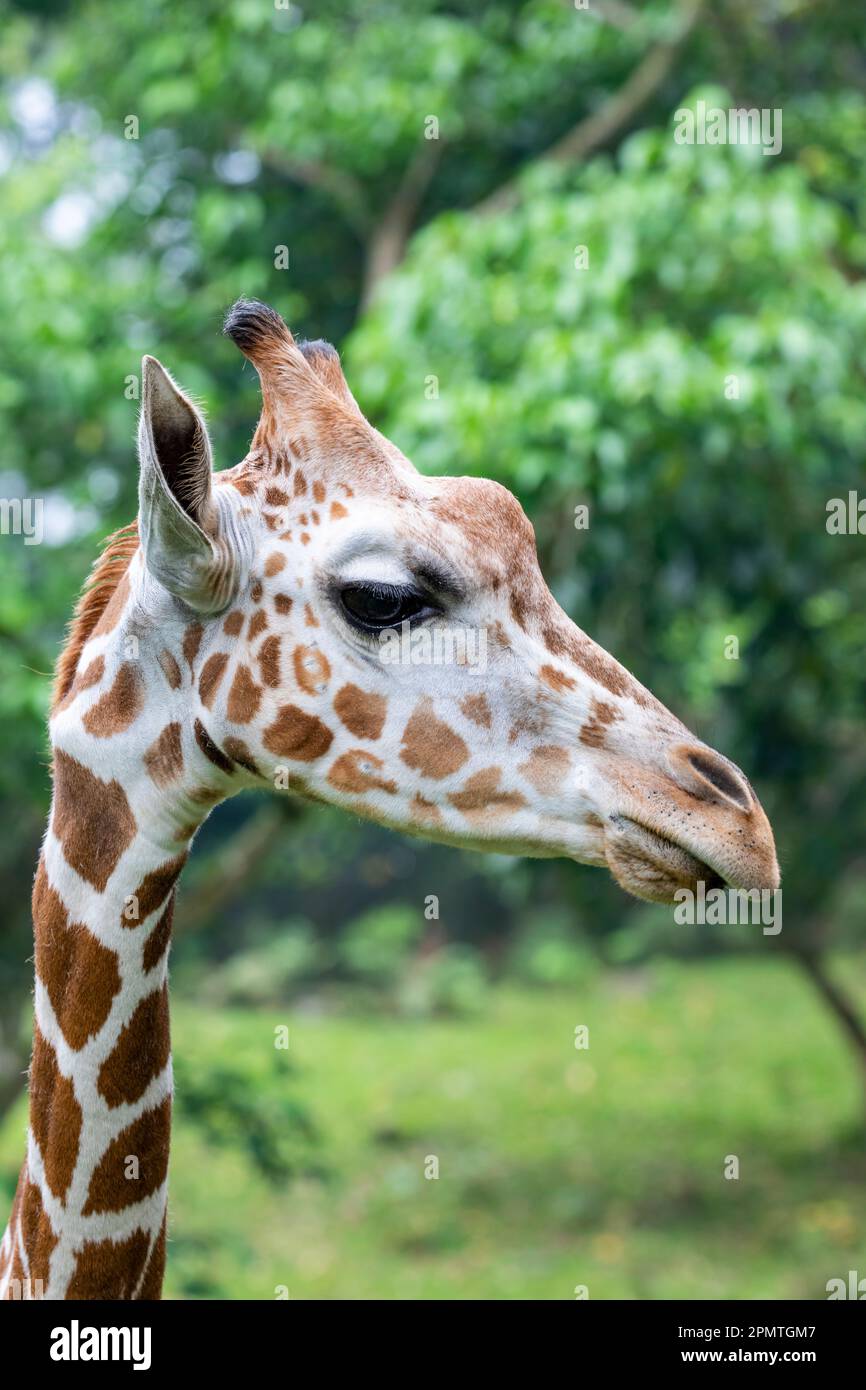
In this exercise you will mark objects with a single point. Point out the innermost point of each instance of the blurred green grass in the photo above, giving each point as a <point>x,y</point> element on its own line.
<point>557,1167</point>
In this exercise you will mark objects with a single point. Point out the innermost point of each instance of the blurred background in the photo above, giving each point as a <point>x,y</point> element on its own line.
<point>530,279</point>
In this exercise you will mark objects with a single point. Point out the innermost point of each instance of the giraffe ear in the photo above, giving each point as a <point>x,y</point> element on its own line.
<point>177,516</point>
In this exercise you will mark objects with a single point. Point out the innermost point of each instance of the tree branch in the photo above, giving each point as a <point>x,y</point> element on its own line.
<point>811,961</point>
<point>387,245</point>
<point>598,128</point>
<point>343,188</point>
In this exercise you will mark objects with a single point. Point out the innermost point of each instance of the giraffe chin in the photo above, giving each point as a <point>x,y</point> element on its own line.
<point>653,868</point>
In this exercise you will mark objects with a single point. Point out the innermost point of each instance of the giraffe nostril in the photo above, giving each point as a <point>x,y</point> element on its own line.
<point>721,775</point>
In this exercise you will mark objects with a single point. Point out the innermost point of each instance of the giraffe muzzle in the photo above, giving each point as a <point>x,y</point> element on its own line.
<point>698,822</point>
<point>651,866</point>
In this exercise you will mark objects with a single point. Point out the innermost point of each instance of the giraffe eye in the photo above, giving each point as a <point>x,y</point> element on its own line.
<point>375,607</point>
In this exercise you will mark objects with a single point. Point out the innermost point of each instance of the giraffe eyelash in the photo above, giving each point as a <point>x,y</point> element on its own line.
<point>371,606</point>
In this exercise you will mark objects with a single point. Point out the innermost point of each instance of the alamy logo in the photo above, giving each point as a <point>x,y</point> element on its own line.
<point>854,1288</point>
<point>30,1289</point>
<point>846,516</point>
<point>712,125</point>
<point>721,907</point>
<point>436,646</point>
<point>22,516</point>
<point>76,1343</point>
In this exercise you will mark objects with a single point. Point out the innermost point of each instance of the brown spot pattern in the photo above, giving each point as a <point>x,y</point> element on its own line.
<point>80,975</point>
<point>157,943</point>
<point>240,753</point>
<point>476,709</point>
<point>118,707</point>
<point>362,712</point>
<point>269,661</point>
<point>214,754</point>
<point>55,1115</point>
<point>140,1053</point>
<point>192,641</point>
<point>91,676</point>
<point>244,697</point>
<point>593,660</point>
<point>108,1269</point>
<point>601,715</point>
<point>211,674</point>
<point>312,669</point>
<point>153,890</point>
<point>37,1234</point>
<point>170,668</point>
<point>557,680</point>
<point>297,735</point>
<point>481,794</point>
<point>258,623</point>
<point>431,746</point>
<point>425,810</point>
<point>519,608</point>
<point>147,1138</point>
<point>359,771</point>
<point>164,758</point>
<point>91,819</point>
<point>545,768</point>
<point>151,1284</point>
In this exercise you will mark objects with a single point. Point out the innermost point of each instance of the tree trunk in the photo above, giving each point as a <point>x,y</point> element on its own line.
<point>812,962</point>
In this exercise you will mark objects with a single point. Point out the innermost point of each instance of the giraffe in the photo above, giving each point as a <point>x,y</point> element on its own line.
<point>233,638</point>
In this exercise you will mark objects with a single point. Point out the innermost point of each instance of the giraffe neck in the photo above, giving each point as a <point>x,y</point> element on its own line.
<point>88,1219</point>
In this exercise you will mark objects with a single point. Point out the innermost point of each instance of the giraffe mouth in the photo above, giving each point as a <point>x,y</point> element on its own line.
<point>650,866</point>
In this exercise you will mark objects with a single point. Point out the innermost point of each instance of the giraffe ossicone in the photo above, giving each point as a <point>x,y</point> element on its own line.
<point>235,638</point>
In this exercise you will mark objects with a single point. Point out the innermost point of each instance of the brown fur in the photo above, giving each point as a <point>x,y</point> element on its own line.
<point>108,1269</point>
<point>140,1053</point>
<point>153,890</point>
<point>244,697</point>
<point>211,674</point>
<point>99,589</point>
<point>430,745</point>
<point>79,973</point>
<point>481,796</point>
<point>91,819</point>
<point>147,1138</point>
<point>55,1115</point>
<point>157,942</point>
<point>360,771</point>
<point>297,735</point>
<point>362,712</point>
<point>312,669</point>
<point>119,707</point>
<point>164,758</point>
<point>545,768</point>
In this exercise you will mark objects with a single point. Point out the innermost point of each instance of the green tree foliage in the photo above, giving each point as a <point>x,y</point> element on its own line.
<point>698,385</point>
<point>258,127</point>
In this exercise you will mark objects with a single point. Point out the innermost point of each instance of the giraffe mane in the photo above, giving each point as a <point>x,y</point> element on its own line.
<point>107,571</point>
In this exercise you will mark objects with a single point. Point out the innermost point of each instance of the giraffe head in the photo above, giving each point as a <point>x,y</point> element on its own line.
<point>361,634</point>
